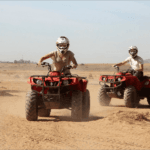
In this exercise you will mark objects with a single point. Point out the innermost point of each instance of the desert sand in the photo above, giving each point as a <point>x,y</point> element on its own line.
<point>111,127</point>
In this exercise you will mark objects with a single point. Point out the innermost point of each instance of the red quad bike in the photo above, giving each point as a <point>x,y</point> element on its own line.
<point>56,91</point>
<point>125,86</point>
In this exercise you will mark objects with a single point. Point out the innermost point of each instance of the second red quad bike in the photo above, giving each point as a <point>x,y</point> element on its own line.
<point>56,91</point>
<point>123,85</point>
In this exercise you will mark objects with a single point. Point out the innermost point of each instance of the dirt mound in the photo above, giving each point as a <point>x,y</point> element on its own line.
<point>130,117</point>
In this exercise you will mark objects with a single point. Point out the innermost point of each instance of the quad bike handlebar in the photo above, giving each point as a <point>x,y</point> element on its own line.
<point>46,64</point>
<point>66,67</point>
<point>130,70</point>
<point>117,68</point>
<point>43,64</point>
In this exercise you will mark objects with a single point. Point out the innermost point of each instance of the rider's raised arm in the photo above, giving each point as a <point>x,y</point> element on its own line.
<point>120,64</point>
<point>45,57</point>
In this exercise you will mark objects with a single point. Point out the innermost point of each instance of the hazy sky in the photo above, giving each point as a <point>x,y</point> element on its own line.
<point>99,31</point>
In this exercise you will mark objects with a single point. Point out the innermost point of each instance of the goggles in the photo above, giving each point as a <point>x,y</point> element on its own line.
<point>133,52</point>
<point>62,45</point>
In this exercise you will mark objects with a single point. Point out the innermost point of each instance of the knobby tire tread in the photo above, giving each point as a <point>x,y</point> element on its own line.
<point>103,98</point>
<point>76,112</point>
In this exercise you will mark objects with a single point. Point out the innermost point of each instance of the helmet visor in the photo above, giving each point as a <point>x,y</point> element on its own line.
<point>62,45</point>
<point>133,52</point>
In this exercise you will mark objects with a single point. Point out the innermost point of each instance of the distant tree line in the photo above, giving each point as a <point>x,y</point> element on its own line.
<point>5,62</point>
<point>21,61</point>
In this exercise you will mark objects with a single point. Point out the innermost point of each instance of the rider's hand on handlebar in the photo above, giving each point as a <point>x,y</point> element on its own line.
<point>38,64</point>
<point>41,64</point>
<point>113,65</point>
<point>73,66</point>
<point>69,67</point>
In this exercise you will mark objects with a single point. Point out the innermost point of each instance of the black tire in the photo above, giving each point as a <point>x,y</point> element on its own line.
<point>86,104</point>
<point>76,112</point>
<point>31,108</point>
<point>44,112</point>
<point>137,100</point>
<point>130,97</point>
<point>103,98</point>
<point>148,100</point>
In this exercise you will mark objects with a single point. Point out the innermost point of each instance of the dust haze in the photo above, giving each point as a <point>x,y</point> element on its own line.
<point>111,127</point>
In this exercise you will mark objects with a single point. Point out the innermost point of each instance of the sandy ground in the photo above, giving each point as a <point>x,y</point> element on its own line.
<point>112,127</point>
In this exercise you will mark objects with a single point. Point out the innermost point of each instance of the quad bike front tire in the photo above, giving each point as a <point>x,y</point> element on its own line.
<point>131,98</point>
<point>76,111</point>
<point>103,98</point>
<point>31,109</point>
<point>148,100</point>
<point>86,104</point>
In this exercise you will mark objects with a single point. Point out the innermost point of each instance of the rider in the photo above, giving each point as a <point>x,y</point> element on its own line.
<point>62,56</point>
<point>136,62</point>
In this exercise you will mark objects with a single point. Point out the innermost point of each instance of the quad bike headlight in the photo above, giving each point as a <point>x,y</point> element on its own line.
<point>103,78</point>
<point>65,82</point>
<point>119,93</point>
<point>51,83</point>
<point>146,83</point>
<point>40,82</point>
<point>119,79</point>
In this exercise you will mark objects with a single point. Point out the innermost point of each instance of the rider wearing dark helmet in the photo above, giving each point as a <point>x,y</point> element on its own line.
<point>135,61</point>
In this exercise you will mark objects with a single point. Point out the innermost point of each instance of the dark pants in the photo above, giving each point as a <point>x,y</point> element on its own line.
<point>138,74</point>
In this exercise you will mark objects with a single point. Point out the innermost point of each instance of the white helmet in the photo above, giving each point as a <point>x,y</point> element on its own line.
<point>62,44</point>
<point>133,50</point>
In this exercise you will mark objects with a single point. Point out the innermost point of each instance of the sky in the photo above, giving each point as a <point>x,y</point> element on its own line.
<point>98,31</point>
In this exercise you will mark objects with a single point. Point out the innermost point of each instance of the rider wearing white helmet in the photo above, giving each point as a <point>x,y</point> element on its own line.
<point>62,57</point>
<point>136,62</point>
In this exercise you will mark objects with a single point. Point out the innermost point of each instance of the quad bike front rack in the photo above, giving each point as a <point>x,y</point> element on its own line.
<point>52,87</point>
<point>111,81</point>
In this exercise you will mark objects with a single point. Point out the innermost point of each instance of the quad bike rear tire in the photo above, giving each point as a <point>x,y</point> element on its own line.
<point>103,98</point>
<point>31,108</point>
<point>131,98</point>
<point>76,112</point>
<point>86,104</point>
